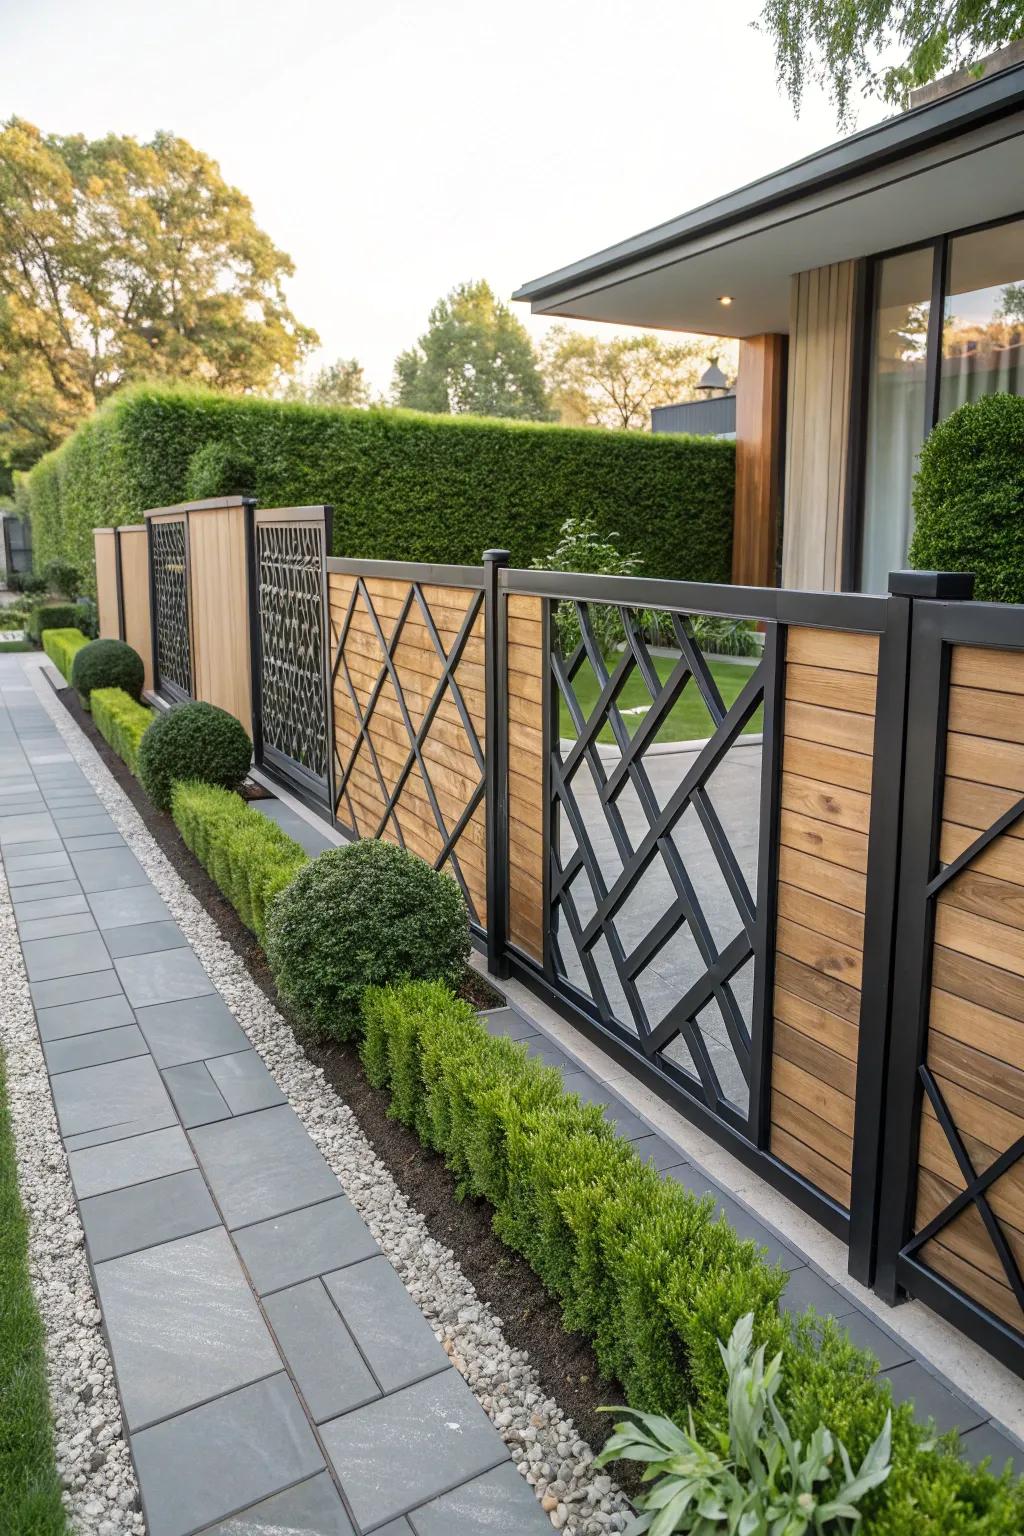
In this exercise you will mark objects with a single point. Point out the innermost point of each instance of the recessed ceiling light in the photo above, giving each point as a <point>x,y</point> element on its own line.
<point>725,298</point>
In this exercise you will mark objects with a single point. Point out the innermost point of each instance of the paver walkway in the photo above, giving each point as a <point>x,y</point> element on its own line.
<point>274,1373</point>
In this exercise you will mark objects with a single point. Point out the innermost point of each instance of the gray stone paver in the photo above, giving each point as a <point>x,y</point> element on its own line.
<point>188,1224</point>
<point>301,1244</point>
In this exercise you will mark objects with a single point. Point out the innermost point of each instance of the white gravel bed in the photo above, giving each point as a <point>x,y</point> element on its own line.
<point>101,1494</point>
<point>544,1443</point>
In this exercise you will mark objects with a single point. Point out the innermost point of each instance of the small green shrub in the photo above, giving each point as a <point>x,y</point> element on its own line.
<point>63,578</point>
<point>51,616</point>
<point>642,1267</point>
<point>107,664</point>
<point>756,1475</point>
<point>218,468</point>
<point>362,916</point>
<point>87,618</point>
<point>121,721</point>
<point>969,498</point>
<point>245,853</point>
<point>29,582</point>
<point>193,741</point>
<point>62,645</point>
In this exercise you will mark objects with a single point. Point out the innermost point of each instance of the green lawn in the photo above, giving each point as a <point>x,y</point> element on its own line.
<point>30,1501</point>
<point>688,719</point>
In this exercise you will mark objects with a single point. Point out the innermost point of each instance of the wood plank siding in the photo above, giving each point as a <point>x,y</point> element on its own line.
<point>219,609</point>
<point>817,426</point>
<point>107,610</point>
<point>828,739</point>
<point>760,448</point>
<point>976,1021</point>
<point>371,765</point>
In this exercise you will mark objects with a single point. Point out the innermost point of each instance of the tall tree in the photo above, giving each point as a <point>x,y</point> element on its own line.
<point>474,357</point>
<point>340,383</point>
<point>121,261</point>
<point>615,383</point>
<point>838,45</point>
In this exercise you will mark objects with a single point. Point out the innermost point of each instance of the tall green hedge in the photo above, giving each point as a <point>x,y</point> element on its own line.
<point>404,486</point>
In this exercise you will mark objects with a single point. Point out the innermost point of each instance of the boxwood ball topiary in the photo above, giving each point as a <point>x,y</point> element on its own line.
<point>192,741</point>
<point>368,914</point>
<point>969,498</point>
<point>107,664</point>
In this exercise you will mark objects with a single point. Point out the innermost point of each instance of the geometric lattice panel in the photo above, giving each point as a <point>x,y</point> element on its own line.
<point>654,854</point>
<point>170,590</point>
<point>969,1222</point>
<point>408,690</point>
<point>290,598</point>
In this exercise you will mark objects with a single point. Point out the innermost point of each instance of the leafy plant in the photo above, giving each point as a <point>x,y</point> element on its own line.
<point>62,645</point>
<point>120,720</point>
<point>193,741</point>
<point>245,853</point>
<point>726,637</point>
<point>63,578</point>
<point>29,582</point>
<point>583,547</point>
<point>404,486</point>
<point>107,664</point>
<point>363,915</point>
<point>51,616</point>
<point>218,468</point>
<point>969,498</point>
<point>756,1479</point>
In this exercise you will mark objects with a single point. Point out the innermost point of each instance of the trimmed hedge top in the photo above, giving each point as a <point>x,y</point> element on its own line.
<point>404,486</point>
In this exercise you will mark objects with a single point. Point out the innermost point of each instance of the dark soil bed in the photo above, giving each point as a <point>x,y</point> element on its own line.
<point>564,1362</point>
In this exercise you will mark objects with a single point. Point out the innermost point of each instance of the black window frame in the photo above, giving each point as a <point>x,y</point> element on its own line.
<point>865,291</point>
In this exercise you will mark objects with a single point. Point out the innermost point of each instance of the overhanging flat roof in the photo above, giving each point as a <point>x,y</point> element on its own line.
<point>945,165</point>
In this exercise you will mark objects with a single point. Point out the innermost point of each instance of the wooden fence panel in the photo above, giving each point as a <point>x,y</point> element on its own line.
<point>108,605</point>
<point>975,1041</point>
<point>527,661</point>
<point>219,608</point>
<point>400,775</point>
<point>828,738</point>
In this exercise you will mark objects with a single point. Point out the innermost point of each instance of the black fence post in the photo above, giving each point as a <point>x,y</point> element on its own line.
<point>496,764</point>
<point>906,809</point>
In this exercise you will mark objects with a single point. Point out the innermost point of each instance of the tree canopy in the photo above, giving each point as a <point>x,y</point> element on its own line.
<point>840,44</point>
<point>340,383</point>
<point>475,357</point>
<point>615,383</point>
<point>121,261</point>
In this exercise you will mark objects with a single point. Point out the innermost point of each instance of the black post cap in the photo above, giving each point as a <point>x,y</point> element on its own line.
<point>953,586</point>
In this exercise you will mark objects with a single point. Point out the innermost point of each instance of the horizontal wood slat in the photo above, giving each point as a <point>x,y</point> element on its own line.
<point>446,748</point>
<point>828,736</point>
<point>975,1041</point>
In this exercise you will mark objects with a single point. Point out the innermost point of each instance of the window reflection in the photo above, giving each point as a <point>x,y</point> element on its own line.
<point>896,411</point>
<point>983,317</point>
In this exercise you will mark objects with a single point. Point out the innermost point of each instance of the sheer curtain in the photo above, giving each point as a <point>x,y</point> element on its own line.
<point>896,412</point>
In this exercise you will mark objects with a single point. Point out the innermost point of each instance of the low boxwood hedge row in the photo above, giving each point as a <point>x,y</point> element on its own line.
<point>121,721</point>
<point>52,616</point>
<point>61,646</point>
<point>247,855</point>
<point>640,1265</point>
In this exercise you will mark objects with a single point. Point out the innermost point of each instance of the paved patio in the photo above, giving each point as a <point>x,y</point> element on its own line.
<point>274,1373</point>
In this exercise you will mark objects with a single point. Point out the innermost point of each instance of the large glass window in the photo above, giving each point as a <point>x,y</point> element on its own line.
<point>979,338</point>
<point>983,317</point>
<point>896,410</point>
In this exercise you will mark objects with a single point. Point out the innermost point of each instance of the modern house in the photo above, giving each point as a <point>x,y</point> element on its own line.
<point>874,287</point>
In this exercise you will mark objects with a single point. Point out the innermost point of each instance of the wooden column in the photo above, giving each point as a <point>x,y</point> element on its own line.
<point>760,449</point>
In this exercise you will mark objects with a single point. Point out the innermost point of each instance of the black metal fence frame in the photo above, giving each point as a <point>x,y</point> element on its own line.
<point>316,794</point>
<point>916,623</point>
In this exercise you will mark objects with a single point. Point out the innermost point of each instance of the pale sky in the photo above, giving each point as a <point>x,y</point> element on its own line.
<point>396,149</point>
